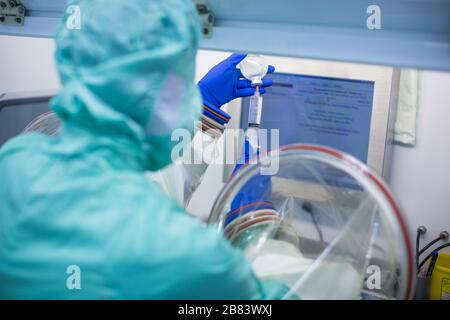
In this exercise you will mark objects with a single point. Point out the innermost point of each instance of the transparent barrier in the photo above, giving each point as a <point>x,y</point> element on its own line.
<point>323,224</point>
<point>47,123</point>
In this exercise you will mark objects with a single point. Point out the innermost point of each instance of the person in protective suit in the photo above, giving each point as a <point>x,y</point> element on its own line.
<point>78,217</point>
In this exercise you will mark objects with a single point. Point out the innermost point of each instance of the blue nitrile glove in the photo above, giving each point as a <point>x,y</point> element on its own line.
<point>255,194</point>
<point>224,83</point>
<point>247,153</point>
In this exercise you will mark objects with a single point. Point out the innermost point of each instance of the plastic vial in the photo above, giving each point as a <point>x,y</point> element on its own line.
<point>254,68</point>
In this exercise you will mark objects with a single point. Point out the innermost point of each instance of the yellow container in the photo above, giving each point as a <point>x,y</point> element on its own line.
<point>440,280</point>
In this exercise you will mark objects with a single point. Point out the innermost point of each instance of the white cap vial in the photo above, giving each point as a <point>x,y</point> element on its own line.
<point>254,68</point>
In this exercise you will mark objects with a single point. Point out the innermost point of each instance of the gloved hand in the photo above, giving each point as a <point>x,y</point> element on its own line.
<point>224,83</point>
<point>255,194</point>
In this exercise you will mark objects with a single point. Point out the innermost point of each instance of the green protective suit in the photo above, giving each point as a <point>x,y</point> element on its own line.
<point>78,218</point>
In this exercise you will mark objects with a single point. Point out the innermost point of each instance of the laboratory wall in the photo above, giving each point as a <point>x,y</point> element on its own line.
<point>26,64</point>
<point>420,176</point>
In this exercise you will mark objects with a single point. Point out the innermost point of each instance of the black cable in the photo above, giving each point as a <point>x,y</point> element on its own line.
<point>429,245</point>
<point>431,254</point>
<point>417,248</point>
<point>432,264</point>
<point>308,207</point>
<point>420,231</point>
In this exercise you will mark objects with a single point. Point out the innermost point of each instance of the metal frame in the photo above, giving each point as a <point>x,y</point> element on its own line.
<point>11,12</point>
<point>8,99</point>
<point>41,19</point>
<point>10,106</point>
<point>414,33</point>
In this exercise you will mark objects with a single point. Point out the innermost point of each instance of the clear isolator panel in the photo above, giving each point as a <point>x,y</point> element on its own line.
<point>319,221</point>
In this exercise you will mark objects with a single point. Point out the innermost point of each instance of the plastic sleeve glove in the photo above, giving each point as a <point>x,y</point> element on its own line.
<point>254,194</point>
<point>224,83</point>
